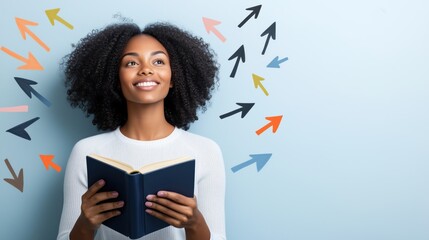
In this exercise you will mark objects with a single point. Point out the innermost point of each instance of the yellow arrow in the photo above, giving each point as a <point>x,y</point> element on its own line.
<point>53,15</point>
<point>257,81</point>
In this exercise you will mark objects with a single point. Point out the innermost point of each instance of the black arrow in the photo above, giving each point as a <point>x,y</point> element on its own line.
<point>16,181</point>
<point>25,85</point>
<point>239,54</point>
<point>271,31</point>
<point>255,11</point>
<point>19,130</point>
<point>245,108</point>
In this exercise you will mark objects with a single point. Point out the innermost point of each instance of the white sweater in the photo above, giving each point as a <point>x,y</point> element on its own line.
<point>209,173</point>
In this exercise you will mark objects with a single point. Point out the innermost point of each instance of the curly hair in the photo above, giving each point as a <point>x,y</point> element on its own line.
<point>92,74</point>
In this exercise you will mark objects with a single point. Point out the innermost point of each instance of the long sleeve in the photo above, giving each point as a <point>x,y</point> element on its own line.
<point>75,185</point>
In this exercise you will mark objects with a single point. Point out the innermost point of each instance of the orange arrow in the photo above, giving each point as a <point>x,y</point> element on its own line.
<point>47,161</point>
<point>274,122</point>
<point>53,15</point>
<point>30,64</point>
<point>22,26</point>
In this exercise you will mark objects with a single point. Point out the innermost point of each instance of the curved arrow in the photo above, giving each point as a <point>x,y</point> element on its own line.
<point>53,15</point>
<point>16,181</point>
<point>255,12</point>
<point>48,162</point>
<point>210,24</point>
<point>274,122</point>
<point>30,64</point>
<point>275,63</point>
<point>245,108</point>
<point>19,130</point>
<point>257,82</point>
<point>271,33</point>
<point>22,26</point>
<point>25,85</point>
<point>240,55</point>
<point>259,159</point>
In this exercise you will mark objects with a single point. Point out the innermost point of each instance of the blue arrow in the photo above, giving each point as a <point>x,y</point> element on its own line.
<point>25,86</point>
<point>259,159</point>
<point>276,62</point>
<point>19,130</point>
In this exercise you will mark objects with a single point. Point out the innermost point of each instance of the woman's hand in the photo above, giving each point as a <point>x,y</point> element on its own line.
<point>179,211</point>
<point>92,213</point>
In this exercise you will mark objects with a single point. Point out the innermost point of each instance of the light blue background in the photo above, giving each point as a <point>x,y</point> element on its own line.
<point>350,159</point>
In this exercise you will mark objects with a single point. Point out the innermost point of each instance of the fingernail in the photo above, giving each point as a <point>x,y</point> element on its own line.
<point>148,204</point>
<point>162,194</point>
<point>114,194</point>
<point>150,197</point>
<point>120,204</point>
<point>101,182</point>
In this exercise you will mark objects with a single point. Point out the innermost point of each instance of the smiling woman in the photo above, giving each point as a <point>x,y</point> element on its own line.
<point>145,87</point>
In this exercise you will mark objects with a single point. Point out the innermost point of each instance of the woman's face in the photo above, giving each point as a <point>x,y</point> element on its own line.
<point>144,71</point>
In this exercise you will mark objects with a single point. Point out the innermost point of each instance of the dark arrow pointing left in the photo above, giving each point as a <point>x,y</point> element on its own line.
<point>25,85</point>
<point>16,181</point>
<point>245,108</point>
<point>271,33</point>
<point>19,130</point>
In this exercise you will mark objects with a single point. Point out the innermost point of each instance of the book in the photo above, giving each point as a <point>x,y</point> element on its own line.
<point>133,185</point>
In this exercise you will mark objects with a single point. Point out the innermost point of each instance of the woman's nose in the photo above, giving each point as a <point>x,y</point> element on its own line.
<point>145,70</point>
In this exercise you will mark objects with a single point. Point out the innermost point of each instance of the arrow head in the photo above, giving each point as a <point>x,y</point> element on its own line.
<point>275,122</point>
<point>17,182</point>
<point>255,10</point>
<point>260,160</point>
<point>25,85</point>
<point>210,24</point>
<point>245,108</point>
<point>19,130</point>
<point>275,63</point>
<point>31,63</point>
<point>22,26</point>
<point>257,80</point>
<point>52,15</point>
<point>271,31</point>
<point>240,54</point>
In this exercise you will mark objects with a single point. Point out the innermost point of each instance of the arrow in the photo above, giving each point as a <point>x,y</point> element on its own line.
<point>16,181</point>
<point>257,81</point>
<point>53,15</point>
<point>210,24</point>
<point>239,54</point>
<point>22,26</point>
<point>22,108</point>
<point>24,84</point>
<point>30,64</point>
<point>255,12</point>
<point>274,122</point>
<point>19,130</point>
<point>271,32</point>
<point>259,159</point>
<point>245,108</point>
<point>276,62</point>
<point>48,162</point>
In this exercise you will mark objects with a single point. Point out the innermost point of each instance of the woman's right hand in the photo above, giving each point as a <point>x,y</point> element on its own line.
<point>94,214</point>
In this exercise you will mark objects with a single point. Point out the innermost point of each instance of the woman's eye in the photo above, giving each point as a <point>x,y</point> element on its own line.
<point>131,63</point>
<point>158,62</point>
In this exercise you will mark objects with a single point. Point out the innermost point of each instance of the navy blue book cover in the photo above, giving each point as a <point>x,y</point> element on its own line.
<point>133,188</point>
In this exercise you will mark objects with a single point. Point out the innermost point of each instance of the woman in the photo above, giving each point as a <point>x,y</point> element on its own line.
<point>144,88</point>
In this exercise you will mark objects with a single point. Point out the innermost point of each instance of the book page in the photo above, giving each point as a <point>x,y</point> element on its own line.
<point>158,165</point>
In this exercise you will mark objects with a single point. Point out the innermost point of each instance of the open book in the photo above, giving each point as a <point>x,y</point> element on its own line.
<point>133,185</point>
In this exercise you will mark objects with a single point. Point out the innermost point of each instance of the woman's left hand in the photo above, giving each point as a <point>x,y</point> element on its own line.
<point>175,209</point>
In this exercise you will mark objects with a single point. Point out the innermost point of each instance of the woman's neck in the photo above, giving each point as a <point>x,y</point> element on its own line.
<point>146,123</point>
